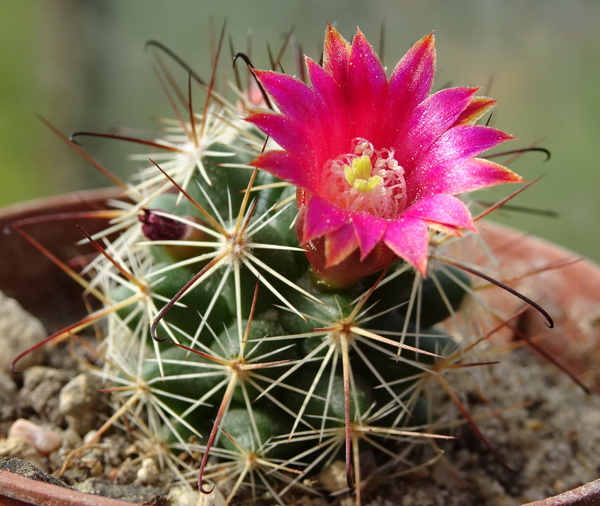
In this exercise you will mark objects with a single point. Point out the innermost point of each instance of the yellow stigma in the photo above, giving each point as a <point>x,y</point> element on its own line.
<point>359,174</point>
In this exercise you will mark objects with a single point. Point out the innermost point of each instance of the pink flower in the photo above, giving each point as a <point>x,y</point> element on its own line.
<point>376,160</point>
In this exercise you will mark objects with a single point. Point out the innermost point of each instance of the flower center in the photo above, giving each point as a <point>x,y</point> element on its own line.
<point>366,180</point>
<point>359,176</point>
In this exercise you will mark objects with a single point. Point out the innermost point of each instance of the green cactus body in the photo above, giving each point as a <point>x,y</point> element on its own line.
<point>294,337</point>
<point>254,431</point>
<point>272,358</point>
<point>180,317</point>
<point>223,190</point>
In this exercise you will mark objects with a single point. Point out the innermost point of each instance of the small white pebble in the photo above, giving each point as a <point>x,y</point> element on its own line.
<point>148,473</point>
<point>19,331</point>
<point>45,441</point>
<point>333,478</point>
<point>183,496</point>
<point>96,468</point>
<point>534,424</point>
<point>215,498</point>
<point>19,448</point>
<point>89,436</point>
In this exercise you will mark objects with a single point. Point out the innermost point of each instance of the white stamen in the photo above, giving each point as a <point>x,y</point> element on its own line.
<point>384,200</point>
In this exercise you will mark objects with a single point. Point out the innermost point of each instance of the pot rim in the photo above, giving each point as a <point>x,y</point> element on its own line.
<point>17,490</point>
<point>585,495</point>
<point>63,200</point>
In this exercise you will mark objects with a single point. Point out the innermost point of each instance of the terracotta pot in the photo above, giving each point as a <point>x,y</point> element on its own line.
<point>47,292</point>
<point>32,279</point>
<point>17,490</point>
<point>569,293</point>
<point>564,284</point>
<point>586,495</point>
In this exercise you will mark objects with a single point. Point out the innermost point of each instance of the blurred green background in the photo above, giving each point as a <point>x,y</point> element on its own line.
<point>81,64</point>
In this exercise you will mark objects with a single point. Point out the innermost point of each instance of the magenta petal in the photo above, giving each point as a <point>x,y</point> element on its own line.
<point>409,85</point>
<point>286,132</point>
<point>367,89</point>
<point>294,98</point>
<point>408,238</point>
<point>432,118</point>
<point>335,55</point>
<point>470,175</point>
<point>339,244</point>
<point>286,167</point>
<point>463,142</point>
<point>369,231</point>
<point>326,87</point>
<point>442,209</point>
<point>335,104</point>
<point>412,78</point>
<point>365,72</point>
<point>476,109</point>
<point>322,217</point>
<point>454,147</point>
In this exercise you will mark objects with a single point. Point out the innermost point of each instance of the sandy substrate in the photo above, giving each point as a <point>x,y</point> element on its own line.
<point>550,445</point>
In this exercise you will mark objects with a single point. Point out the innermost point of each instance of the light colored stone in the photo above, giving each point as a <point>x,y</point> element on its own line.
<point>333,478</point>
<point>148,473</point>
<point>44,440</point>
<point>181,495</point>
<point>19,331</point>
<point>215,498</point>
<point>8,389</point>
<point>41,388</point>
<point>79,401</point>
<point>19,448</point>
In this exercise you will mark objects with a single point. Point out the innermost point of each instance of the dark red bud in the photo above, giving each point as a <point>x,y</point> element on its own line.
<point>161,228</point>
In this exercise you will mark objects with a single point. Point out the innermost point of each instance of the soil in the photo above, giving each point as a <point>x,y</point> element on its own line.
<point>546,438</point>
<point>544,430</point>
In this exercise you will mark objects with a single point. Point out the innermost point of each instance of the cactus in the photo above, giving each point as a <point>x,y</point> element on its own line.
<point>274,317</point>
